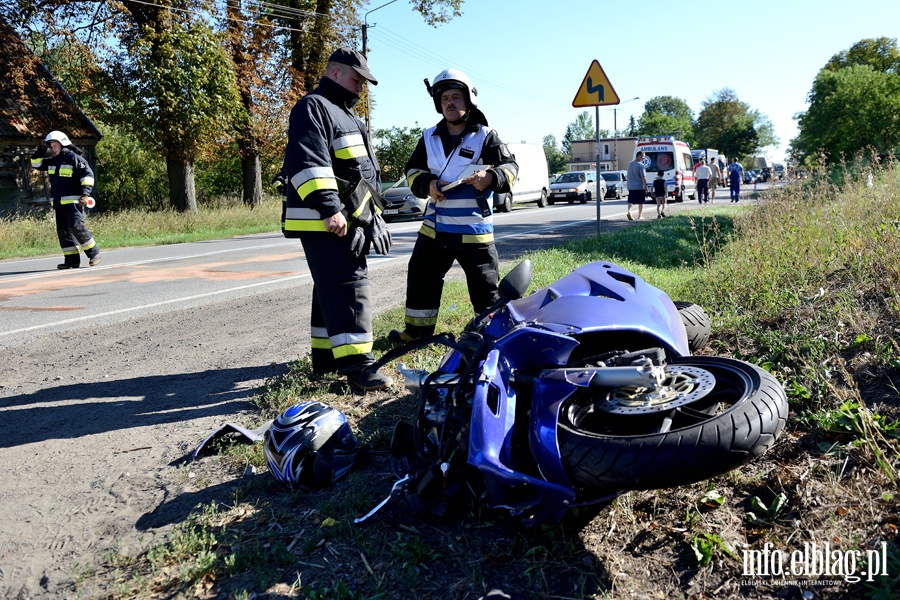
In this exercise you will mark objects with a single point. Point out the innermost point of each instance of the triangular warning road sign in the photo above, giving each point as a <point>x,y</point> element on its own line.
<point>595,90</point>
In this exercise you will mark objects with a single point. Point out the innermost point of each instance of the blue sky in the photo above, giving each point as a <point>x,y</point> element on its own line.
<point>527,58</point>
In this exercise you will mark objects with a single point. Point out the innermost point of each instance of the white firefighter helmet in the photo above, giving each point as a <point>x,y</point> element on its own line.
<point>449,79</point>
<point>58,136</point>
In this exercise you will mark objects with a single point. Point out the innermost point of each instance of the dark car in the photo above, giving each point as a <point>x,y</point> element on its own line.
<point>401,203</point>
<point>616,186</point>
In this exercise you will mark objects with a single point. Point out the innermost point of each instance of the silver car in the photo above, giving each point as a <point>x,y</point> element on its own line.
<point>401,203</point>
<point>572,186</point>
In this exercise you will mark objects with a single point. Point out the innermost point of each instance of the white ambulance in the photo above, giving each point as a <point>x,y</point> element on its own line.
<point>673,158</point>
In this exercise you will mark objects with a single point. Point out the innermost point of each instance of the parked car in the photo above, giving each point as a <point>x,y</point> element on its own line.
<point>616,186</point>
<point>401,203</point>
<point>572,186</point>
<point>751,176</point>
<point>531,180</point>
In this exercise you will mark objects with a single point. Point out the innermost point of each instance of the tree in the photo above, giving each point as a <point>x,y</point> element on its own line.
<point>851,109</point>
<point>881,54</point>
<point>732,127</point>
<point>557,160</point>
<point>667,115</point>
<point>582,128</point>
<point>393,147</point>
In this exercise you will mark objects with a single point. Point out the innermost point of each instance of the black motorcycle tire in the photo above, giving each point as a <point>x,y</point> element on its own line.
<point>696,323</point>
<point>698,445</point>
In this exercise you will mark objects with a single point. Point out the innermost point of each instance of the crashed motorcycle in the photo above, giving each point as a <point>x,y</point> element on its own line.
<point>572,395</point>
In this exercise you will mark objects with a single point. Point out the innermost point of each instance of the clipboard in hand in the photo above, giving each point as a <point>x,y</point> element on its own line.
<point>467,172</point>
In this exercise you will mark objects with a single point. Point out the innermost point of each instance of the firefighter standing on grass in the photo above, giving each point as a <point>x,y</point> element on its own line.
<point>458,223</point>
<point>332,176</point>
<point>71,183</point>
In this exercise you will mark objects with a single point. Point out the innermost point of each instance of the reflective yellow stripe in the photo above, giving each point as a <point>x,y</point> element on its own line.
<point>51,170</point>
<point>316,184</point>
<point>90,244</point>
<point>69,199</point>
<point>304,225</point>
<point>70,251</point>
<point>320,343</point>
<point>66,170</point>
<point>421,318</point>
<point>363,204</point>
<point>351,152</point>
<point>510,177</point>
<point>87,180</point>
<point>427,229</point>
<point>482,238</point>
<point>352,349</point>
<point>412,175</point>
<point>36,162</point>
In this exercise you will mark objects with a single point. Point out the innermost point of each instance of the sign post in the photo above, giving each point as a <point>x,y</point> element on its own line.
<point>597,91</point>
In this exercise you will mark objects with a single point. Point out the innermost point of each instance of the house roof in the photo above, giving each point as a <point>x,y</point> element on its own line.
<point>32,101</point>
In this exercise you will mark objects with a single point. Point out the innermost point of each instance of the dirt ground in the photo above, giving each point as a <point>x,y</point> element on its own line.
<point>94,420</point>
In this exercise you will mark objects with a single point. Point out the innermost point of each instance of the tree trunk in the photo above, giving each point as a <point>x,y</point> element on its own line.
<point>252,172</point>
<point>182,193</point>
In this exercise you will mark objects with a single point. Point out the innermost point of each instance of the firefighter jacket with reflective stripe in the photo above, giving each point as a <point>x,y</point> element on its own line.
<point>328,152</point>
<point>70,175</point>
<point>439,155</point>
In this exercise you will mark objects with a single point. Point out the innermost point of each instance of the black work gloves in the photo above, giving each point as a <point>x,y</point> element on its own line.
<point>359,246</point>
<point>377,233</point>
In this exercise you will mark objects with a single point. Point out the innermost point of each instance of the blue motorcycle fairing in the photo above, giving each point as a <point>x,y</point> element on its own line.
<point>573,303</point>
<point>551,389</point>
<point>490,442</point>
<point>531,348</point>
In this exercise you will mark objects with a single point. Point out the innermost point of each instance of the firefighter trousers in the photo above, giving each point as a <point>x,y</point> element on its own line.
<point>341,314</point>
<point>430,261</point>
<point>72,233</point>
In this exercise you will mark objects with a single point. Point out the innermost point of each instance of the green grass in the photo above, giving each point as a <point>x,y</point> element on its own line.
<point>35,235</point>
<point>806,284</point>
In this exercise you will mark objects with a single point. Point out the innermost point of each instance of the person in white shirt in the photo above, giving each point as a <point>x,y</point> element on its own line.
<point>702,175</point>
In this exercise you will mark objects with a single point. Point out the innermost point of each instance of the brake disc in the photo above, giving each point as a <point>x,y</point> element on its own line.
<point>682,385</point>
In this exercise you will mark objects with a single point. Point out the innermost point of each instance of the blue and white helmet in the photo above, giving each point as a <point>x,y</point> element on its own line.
<point>310,445</point>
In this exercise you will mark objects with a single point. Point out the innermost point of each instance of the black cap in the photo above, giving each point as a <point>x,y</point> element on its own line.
<point>354,59</point>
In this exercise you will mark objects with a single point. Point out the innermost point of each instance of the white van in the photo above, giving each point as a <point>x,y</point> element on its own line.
<point>531,183</point>
<point>673,158</point>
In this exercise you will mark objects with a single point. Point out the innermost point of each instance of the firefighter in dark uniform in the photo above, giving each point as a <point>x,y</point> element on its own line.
<point>328,156</point>
<point>458,222</point>
<point>71,183</point>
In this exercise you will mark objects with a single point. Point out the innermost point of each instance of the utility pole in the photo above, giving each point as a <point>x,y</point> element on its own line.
<point>365,50</point>
<point>616,135</point>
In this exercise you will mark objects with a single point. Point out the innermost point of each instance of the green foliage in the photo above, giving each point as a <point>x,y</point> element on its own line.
<point>667,115</point>
<point>762,512</point>
<point>732,127</point>
<point>393,147</point>
<point>556,158</point>
<point>582,128</point>
<point>881,54</point>
<point>850,110</point>
<point>129,176</point>
<point>704,547</point>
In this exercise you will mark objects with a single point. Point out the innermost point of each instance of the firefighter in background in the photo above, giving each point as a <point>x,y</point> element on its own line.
<point>458,223</point>
<point>332,172</point>
<point>71,183</point>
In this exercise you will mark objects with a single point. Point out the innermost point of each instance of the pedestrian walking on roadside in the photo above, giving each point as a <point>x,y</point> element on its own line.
<point>702,175</point>
<point>637,185</point>
<point>714,178</point>
<point>71,183</point>
<point>332,176</point>
<point>659,193</point>
<point>735,175</point>
<point>458,165</point>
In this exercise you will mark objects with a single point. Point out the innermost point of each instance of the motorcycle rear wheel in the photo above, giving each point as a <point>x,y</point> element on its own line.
<point>696,323</point>
<point>738,417</point>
